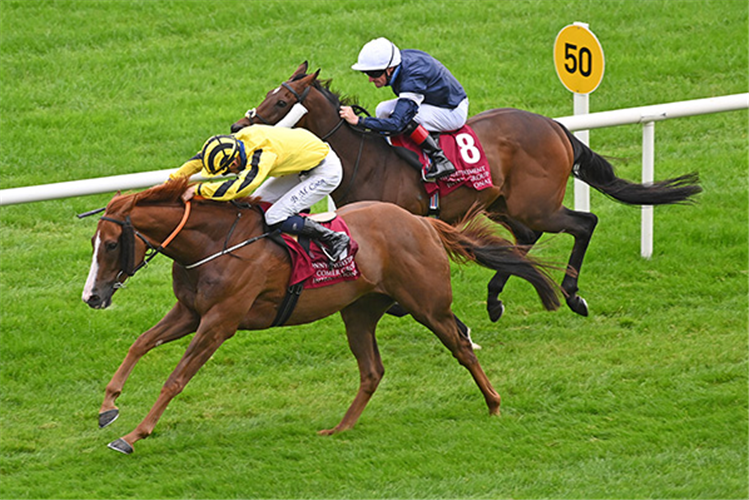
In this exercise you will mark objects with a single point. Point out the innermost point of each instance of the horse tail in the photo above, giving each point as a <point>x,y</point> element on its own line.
<point>473,240</point>
<point>595,170</point>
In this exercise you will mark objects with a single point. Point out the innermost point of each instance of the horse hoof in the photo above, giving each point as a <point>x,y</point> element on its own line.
<point>494,408</point>
<point>121,445</point>
<point>578,305</point>
<point>108,417</point>
<point>496,309</point>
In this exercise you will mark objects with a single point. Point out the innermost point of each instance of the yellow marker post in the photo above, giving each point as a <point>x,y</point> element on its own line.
<point>579,62</point>
<point>578,59</point>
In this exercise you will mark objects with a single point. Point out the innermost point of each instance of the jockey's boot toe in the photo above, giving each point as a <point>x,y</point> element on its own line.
<point>441,167</point>
<point>333,243</point>
<point>337,245</point>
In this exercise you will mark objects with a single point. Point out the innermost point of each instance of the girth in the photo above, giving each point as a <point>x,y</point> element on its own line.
<point>288,304</point>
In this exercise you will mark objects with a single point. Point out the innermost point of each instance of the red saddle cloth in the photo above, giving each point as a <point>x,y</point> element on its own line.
<point>462,147</point>
<point>314,269</point>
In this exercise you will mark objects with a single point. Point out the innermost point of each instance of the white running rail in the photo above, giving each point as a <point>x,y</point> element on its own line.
<point>646,115</point>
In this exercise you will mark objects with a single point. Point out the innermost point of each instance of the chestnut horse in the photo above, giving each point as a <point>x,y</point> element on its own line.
<point>228,276</point>
<point>531,158</point>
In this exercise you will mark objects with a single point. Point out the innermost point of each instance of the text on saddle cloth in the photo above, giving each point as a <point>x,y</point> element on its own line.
<point>463,149</point>
<point>313,268</point>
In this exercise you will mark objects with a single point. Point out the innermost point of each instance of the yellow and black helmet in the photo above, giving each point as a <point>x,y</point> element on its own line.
<point>219,152</point>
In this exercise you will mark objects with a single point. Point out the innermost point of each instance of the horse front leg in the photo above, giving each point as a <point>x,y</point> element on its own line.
<point>177,323</point>
<point>214,329</point>
<point>525,237</point>
<point>398,311</point>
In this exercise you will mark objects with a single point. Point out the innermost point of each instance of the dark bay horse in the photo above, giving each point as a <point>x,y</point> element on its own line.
<point>401,258</point>
<point>531,158</point>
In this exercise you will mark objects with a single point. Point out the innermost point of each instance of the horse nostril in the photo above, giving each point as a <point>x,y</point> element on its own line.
<point>235,128</point>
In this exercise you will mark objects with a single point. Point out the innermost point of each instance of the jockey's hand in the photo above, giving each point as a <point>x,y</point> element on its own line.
<point>348,114</point>
<point>188,194</point>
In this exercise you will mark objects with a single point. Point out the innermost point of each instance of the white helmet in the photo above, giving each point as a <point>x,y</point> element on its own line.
<point>378,54</point>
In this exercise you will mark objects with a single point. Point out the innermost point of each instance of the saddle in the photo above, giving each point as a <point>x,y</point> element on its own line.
<point>310,266</point>
<point>463,148</point>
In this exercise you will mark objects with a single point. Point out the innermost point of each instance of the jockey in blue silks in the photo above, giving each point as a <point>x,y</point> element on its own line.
<point>430,99</point>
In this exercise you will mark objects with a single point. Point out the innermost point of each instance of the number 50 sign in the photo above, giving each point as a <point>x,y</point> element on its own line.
<point>578,59</point>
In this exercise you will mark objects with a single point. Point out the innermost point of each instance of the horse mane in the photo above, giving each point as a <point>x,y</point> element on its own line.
<point>334,97</point>
<point>169,192</point>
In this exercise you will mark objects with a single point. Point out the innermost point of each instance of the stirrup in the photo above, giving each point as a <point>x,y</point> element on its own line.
<point>343,240</point>
<point>332,258</point>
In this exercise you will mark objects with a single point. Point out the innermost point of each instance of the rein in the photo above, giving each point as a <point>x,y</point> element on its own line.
<point>128,247</point>
<point>228,250</point>
<point>357,109</point>
<point>228,237</point>
<point>335,129</point>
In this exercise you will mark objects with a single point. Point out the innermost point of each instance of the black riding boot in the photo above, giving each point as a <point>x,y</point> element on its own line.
<point>333,243</point>
<point>441,166</point>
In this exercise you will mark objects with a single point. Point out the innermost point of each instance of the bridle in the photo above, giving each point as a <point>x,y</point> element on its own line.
<point>252,113</point>
<point>127,245</point>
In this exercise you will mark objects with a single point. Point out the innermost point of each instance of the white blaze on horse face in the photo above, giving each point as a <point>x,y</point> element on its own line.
<point>276,90</point>
<point>91,280</point>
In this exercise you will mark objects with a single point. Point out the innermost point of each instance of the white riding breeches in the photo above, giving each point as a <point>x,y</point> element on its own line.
<point>433,118</point>
<point>290,194</point>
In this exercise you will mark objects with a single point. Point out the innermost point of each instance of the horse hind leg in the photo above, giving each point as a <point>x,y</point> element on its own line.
<point>429,304</point>
<point>175,325</point>
<point>361,319</point>
<point>437,316</point>
<point>581,226</point>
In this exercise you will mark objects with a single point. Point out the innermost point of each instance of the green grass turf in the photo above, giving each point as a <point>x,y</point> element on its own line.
<point>646,398</point>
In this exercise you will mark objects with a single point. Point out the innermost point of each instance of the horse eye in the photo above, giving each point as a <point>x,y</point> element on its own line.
<point>281,104</point>
<point>112,245</point>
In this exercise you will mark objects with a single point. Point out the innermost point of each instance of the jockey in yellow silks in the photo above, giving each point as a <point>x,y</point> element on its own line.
<point>290,168</point>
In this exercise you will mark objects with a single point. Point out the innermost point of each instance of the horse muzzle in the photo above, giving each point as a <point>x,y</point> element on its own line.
<point>97,299</point>
<point>238,126</point>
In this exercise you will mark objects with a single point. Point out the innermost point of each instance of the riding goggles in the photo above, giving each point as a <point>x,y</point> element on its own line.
<point>375,74</point>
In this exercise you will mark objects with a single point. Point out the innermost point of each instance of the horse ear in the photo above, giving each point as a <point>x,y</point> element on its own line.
<point>309,79</point>
<point>317,73</point>
<point>301,70</point>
